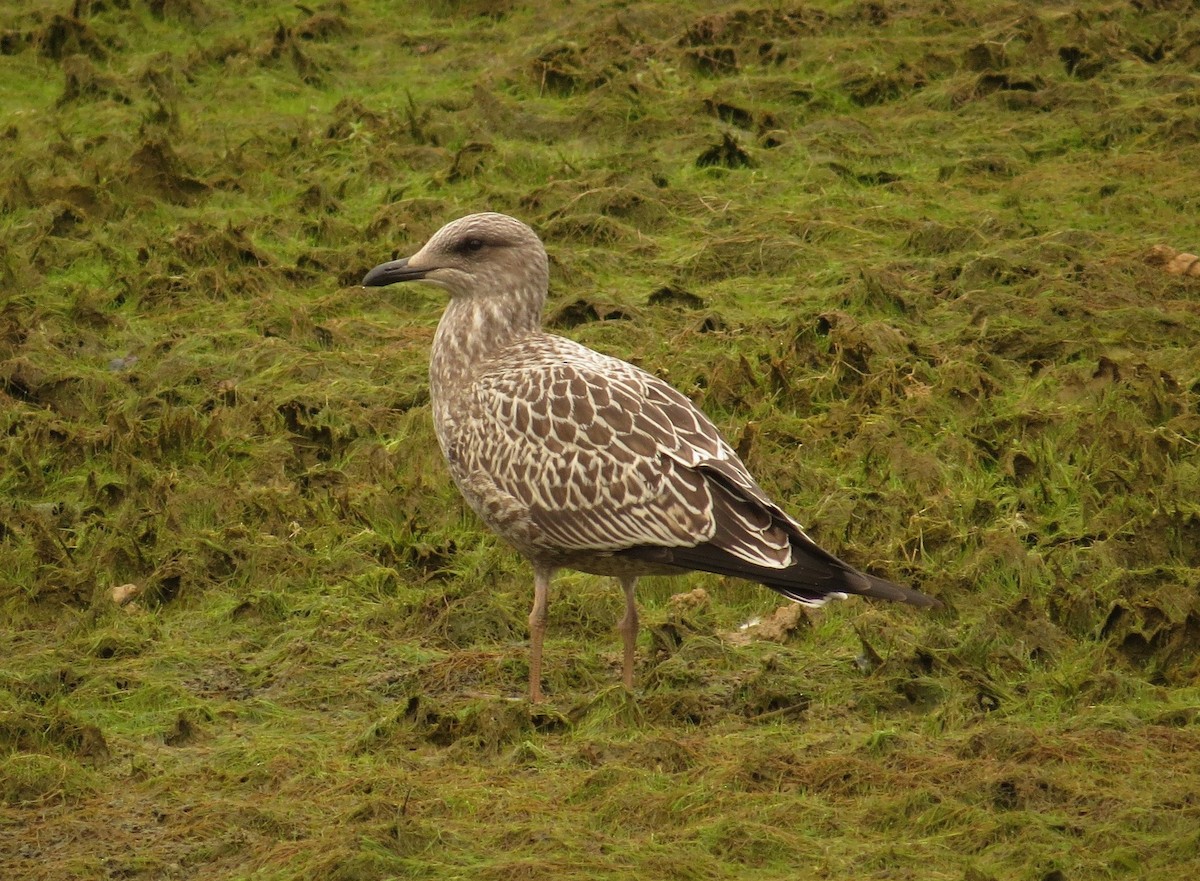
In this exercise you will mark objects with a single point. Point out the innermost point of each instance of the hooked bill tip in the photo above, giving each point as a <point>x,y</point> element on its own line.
<point>390,273</point>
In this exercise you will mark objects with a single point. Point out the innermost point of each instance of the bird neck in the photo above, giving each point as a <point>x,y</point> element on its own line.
<point>473,330</point>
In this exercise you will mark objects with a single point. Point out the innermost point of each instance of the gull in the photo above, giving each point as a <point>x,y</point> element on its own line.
<point>583,461</point>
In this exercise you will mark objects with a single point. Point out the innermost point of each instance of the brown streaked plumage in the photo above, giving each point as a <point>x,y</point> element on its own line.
<point>583,461</point>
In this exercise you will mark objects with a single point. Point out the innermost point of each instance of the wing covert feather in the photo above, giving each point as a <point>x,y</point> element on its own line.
<point>606,456</point>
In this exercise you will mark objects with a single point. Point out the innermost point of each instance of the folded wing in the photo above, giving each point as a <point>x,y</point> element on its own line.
<point>607,458</point>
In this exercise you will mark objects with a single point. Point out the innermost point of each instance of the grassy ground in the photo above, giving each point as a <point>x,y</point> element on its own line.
<point>900,251</point>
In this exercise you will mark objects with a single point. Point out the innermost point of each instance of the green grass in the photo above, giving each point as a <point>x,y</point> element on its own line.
<point>904,254</point>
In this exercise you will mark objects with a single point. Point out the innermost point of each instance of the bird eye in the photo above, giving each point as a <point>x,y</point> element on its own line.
<point>471,245</point>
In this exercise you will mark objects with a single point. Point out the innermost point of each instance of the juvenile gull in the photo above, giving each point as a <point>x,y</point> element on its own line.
<point>583,461</point>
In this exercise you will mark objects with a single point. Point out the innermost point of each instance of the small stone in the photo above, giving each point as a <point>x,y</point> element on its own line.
<point>124,594</point>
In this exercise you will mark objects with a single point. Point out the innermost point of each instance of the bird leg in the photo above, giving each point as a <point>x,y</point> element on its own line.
<point>537,629</point>
<point>629,630</point>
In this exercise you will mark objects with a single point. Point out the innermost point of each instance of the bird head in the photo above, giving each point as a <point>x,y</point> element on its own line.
<point>482,255</point>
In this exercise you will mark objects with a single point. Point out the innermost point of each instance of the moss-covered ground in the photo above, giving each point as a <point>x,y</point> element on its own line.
<point>902,252</point>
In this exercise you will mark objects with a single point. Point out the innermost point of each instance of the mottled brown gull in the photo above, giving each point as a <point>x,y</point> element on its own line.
<point>583,461</point>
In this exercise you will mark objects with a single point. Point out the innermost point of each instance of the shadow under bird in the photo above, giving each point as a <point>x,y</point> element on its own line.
<point>583,461</point>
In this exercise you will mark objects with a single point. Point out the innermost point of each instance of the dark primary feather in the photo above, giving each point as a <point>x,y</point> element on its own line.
<point>813,576</point>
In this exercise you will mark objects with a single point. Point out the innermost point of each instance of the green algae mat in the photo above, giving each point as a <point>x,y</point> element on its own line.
<point>927,265</point>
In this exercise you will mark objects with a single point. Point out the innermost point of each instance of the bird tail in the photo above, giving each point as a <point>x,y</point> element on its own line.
<point>879,588</point>
<point>813,577</point>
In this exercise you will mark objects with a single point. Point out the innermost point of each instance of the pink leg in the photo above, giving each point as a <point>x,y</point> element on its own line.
<point>629,630</point>
<point>537,629</point>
